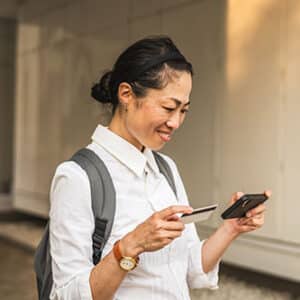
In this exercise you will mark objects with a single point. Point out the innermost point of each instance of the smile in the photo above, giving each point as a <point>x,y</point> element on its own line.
<point>164,136</point>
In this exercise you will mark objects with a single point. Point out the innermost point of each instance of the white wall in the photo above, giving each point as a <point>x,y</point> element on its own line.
<point>241,133</point>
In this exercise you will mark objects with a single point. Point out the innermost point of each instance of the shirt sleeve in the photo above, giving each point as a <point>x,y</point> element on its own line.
<point>196,277</point>
<point>71,229</point>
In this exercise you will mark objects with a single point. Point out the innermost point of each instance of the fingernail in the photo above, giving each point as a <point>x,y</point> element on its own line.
<point>248,215</point>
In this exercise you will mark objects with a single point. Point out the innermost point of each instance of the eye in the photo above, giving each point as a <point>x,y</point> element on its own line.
<point>185,110</point>
<point>169,108</point>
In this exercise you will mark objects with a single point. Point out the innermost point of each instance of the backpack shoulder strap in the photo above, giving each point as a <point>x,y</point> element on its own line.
<point>165,169</point>
<point>103,197</point>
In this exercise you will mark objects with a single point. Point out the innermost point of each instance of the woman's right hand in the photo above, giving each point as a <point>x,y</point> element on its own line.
<point>156,232</point>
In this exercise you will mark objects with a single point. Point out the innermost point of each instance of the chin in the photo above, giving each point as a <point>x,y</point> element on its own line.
<point>153,143</point>
<point>156,146</point>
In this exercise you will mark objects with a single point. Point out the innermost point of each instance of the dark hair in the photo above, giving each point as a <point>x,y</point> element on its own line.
<point>137,66</point>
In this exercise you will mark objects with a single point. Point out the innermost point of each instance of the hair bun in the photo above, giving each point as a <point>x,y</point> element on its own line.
<point>101,90</point>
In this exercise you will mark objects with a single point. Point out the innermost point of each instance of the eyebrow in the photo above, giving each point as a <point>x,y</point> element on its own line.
<point>178,102</point>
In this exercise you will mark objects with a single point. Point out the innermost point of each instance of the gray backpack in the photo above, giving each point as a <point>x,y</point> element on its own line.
<point>103,197</point>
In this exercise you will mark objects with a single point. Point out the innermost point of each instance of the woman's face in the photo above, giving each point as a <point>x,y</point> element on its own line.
<point>152,120</point>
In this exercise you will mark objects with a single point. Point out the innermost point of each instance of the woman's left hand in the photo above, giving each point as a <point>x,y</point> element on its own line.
<point>253,220</point>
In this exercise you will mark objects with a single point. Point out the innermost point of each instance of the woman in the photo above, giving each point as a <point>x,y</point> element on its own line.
<point>149,89</point>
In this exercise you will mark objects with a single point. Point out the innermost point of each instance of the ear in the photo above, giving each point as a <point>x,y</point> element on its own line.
<point>125,93</point>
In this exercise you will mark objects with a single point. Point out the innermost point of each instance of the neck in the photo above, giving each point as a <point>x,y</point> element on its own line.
<point>118,126</point>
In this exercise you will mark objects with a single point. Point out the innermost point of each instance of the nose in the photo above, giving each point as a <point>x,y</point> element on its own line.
<point>174,121</point>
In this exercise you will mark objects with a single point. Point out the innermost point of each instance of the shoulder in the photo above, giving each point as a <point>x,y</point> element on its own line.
<point>73,171</point>
<point>69,193</point>
<point>69,180</point>
<point>70,170</point>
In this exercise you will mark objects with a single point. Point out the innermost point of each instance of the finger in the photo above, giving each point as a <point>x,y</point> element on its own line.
<point>243,221</point>
<point>257,210</point>
<point>260,209</point>
<point>168,234</point>
<point>173,225</point>
<point>247,228</point>
<point>258,222</point>
<point>254,224</point>
<point>268,193</point>
<point>236,196</point>
<point>247,223</point>
<point>173,218</point>
<point>255,221</point>
<point>174,209</point>
<point>259,216</point>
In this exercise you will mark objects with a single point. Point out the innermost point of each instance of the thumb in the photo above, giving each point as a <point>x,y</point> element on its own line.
<point>236,196</point>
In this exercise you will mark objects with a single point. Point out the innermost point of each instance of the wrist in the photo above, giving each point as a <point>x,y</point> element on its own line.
<point>229,231</point>
<point>129,248</point>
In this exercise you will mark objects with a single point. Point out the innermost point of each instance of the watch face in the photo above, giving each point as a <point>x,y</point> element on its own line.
<point>127,264</point>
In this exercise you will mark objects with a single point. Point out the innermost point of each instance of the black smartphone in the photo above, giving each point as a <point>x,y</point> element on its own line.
<point>239,208</point>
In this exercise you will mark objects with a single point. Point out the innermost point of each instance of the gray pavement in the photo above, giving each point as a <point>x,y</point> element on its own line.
<point>16,276</point>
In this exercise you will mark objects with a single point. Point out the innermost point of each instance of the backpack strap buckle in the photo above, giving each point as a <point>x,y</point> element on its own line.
<point>99,239</point>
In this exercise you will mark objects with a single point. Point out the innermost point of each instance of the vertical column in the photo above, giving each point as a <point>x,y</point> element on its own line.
<point>7,58</point>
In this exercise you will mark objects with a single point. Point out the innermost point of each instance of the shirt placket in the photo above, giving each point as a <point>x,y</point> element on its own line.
<point>151,182</point>
<point>149,185</point>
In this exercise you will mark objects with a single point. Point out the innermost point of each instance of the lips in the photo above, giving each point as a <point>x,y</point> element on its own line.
<point>165,136</point>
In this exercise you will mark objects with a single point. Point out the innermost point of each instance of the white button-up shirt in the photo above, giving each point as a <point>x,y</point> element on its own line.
<point>141,190</point>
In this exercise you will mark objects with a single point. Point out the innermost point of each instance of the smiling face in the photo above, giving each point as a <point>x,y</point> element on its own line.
<point>150,121</point>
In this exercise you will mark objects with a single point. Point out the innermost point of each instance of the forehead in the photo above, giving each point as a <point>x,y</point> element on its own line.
<point>178,87</point>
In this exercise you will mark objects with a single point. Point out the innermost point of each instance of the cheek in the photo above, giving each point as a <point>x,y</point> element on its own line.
<point>182,118</point>
<point>152,117</point>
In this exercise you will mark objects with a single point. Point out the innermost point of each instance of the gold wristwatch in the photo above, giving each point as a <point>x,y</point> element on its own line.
<point>126,263</point>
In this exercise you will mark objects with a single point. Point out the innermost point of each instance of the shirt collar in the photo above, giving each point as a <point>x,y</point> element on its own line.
<point>151,160</point>
<point>125,152</point>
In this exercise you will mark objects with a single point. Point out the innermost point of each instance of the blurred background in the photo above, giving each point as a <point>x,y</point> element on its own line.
<point>241,134</point>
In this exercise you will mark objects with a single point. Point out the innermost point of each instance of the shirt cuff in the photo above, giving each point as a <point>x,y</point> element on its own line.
<point>77,288</point>
<point>84,288</point>
<point>197,278</point>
